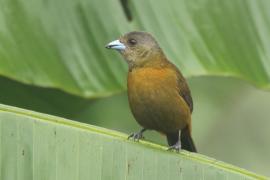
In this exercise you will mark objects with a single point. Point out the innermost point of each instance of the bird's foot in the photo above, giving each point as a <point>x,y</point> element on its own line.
<point>176,147</point>
<point>136,136</point>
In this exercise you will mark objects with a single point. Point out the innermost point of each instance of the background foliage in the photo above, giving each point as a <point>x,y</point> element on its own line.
<point>52,49</point>
<point>38,146</point>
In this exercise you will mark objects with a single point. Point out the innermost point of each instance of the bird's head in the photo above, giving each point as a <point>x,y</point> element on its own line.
<point>137,48</point>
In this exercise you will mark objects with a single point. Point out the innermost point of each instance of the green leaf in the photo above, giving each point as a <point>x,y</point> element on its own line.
<point>45,100</point>
<point>39,146</point>
<point>60,44</point>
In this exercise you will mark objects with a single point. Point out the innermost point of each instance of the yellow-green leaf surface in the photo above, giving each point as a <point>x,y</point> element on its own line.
<point>38,146</point>
<point>60,44</point>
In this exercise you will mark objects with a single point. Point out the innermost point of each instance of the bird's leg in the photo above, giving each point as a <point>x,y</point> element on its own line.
<point>177,145</point>
<point>137,136</point>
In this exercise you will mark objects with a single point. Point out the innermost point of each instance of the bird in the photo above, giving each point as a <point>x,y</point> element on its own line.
<point>158,94</point>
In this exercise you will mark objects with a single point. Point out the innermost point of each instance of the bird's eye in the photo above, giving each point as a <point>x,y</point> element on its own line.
<point>132,41</point>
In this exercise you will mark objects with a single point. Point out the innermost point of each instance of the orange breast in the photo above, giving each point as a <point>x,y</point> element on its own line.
<point>155,101</point>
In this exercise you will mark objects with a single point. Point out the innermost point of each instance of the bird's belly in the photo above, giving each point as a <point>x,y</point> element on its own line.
<point>158,107</point>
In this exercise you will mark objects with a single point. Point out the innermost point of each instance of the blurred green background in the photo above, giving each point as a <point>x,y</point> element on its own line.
<point>53,60</point>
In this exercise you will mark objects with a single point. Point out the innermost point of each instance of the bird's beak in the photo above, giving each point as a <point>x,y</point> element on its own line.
<point>116,45</point>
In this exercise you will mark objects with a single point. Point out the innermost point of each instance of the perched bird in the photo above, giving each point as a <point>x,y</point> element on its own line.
<point>158,94</point>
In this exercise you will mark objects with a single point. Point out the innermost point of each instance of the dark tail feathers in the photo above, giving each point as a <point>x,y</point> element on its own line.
<point>186,140</point>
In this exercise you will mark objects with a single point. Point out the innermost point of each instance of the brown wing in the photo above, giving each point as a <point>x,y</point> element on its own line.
<point>183,88</point>
<point>185,93</point>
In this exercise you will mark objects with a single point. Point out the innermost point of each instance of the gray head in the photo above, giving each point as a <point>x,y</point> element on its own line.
<point>136,47</point>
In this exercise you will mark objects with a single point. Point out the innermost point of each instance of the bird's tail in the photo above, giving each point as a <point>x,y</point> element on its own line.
<point>187,141</point>
<point>185,137</point>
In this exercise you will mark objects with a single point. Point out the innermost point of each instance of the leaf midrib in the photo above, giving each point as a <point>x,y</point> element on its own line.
<point>121,136</point>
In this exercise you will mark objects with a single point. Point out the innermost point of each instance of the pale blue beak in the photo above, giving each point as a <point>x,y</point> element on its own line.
<point>116,45</point>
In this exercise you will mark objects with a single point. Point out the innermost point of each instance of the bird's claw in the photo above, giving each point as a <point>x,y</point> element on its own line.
<point>136,136</point>
<point>176,147</point>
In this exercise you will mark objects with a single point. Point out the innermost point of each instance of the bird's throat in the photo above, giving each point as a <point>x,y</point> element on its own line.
<point>157,60</point>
